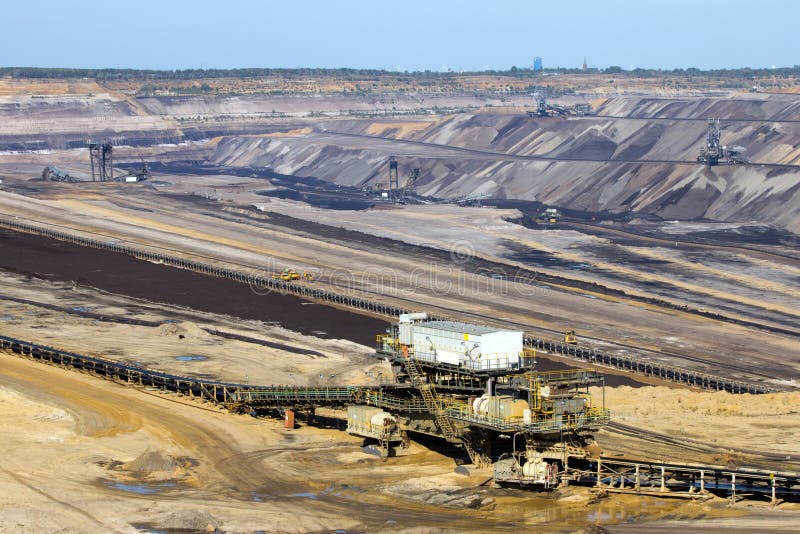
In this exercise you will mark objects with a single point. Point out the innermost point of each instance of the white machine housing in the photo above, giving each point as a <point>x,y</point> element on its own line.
<point>468,345</point>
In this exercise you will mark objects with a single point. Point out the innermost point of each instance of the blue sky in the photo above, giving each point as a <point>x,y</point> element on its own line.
<point>401,35</point>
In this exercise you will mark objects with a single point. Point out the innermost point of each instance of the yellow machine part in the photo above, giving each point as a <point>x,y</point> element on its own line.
<point>288,275</point>
<point>570,338</point>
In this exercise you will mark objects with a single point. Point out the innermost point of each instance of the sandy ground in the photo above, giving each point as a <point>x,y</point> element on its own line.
<point>110,457</point>
<point>722,421</point>
<point>246,473</point>
<point>181,346</point>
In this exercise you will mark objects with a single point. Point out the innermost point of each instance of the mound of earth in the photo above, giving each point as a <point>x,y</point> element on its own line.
<point>151,461</point>
<point>183,330</point>
<point>190,521</point>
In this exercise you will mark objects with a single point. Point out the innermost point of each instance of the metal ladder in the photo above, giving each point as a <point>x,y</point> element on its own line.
<point>436,406</point>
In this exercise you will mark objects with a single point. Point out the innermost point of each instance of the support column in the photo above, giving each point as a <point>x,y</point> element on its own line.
<point>774,500</point>
<point>663,481</point>
<point>636,484</point>
<point>599,462</point>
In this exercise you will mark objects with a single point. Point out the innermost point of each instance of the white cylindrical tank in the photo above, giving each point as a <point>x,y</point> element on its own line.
<point>383,420</point>
<point>500,407</point>
<point>535,469</point>
<point>480,406</point>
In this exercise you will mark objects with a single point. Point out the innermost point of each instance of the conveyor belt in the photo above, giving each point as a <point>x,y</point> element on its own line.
<point>630,476</point>
<point>626,363</point>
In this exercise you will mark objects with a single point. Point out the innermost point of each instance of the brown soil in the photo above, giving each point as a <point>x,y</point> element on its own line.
<point>116,273</point>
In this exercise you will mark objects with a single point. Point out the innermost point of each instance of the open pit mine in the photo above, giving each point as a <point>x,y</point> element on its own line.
<point>282,305</point>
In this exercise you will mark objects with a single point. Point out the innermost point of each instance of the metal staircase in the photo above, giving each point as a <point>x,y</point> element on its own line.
<point>436,405</point>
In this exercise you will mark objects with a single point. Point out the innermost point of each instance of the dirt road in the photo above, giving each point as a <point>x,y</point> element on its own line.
<point>243,473</point>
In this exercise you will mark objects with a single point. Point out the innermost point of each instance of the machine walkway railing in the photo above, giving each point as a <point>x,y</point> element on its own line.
<point>589,419</point>
<point>439,409</point>
<point>228,393</point>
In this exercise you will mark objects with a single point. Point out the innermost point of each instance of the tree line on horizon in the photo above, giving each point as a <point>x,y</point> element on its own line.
<point>197,74</point>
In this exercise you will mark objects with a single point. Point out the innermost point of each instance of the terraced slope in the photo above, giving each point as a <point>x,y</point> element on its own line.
<point>622,162</point>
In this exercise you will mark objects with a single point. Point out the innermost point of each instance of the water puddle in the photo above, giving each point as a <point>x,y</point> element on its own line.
<point>372,450</point>
<point>312,496</point>
<point>141,489</point>
<point>191,358</point>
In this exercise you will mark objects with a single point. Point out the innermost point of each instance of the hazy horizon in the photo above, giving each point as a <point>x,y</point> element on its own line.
<point>417,36</point>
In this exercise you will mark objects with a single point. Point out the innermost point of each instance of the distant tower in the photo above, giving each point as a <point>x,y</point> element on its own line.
<point>102,160</point>
<point>537,64</point>
<point>585,65</point>
<point>394,180</point>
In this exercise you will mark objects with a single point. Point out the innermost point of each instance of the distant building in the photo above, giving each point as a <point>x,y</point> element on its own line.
<point>537,64</point>
<point>585,65</point>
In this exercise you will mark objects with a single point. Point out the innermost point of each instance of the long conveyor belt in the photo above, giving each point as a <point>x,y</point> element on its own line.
<point>583,354</point>
<point>629,476</point>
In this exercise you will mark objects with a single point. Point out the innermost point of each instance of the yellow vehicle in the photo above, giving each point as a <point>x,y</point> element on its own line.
<point>290,275</point>
<point>570,338</point>
<point>287,275</point>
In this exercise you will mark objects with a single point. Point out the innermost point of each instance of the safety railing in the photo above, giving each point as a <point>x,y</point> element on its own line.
<point>280,393</point>
<point>380,432</point>
<point>591,417</point>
